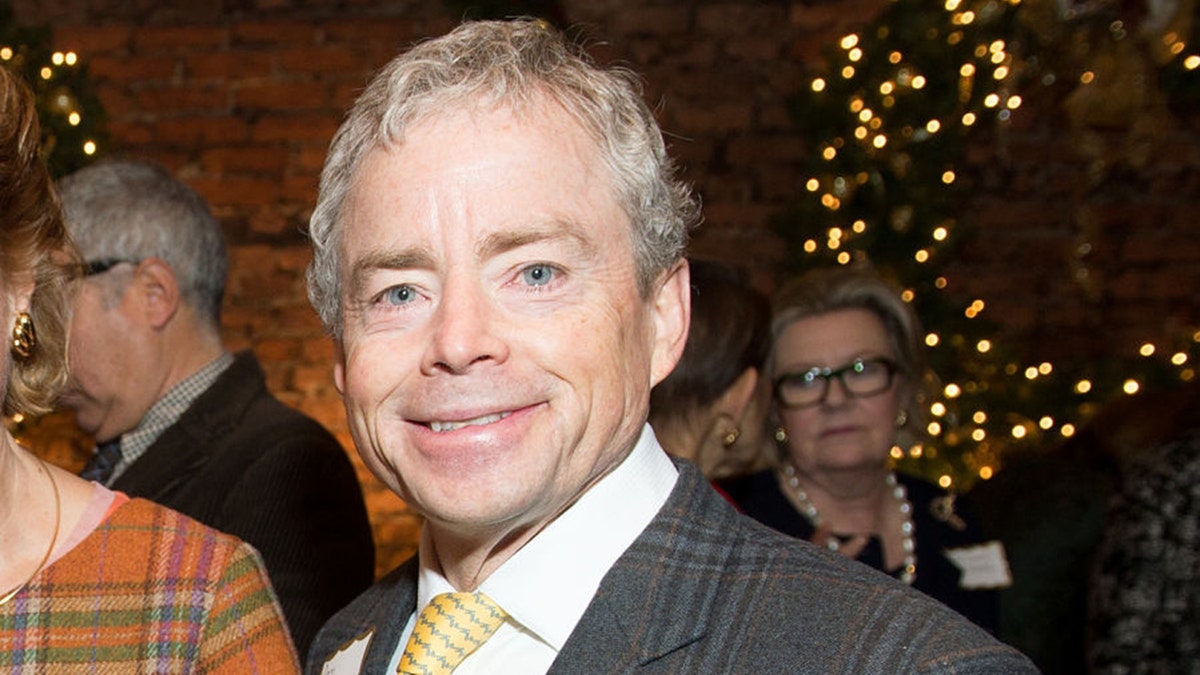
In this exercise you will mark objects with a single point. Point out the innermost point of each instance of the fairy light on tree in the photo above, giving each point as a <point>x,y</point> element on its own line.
<point>71,116</point>
<point>889,115</point>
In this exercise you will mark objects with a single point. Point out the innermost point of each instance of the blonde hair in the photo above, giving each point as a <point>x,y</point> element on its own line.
<point>829,289</point>
<point>33,243</point>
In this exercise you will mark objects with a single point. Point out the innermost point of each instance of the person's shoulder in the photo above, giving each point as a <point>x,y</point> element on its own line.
<point>144,540</point>
<point>793,601</point>
<point>377,614</point>
<point>165,528</point>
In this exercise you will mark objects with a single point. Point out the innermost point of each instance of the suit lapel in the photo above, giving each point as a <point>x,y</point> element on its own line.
<point>377,618</point>
<point>187,445</point>
<point>658,597</point>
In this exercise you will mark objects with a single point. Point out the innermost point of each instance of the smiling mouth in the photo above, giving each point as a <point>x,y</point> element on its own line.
<point>441,427</point>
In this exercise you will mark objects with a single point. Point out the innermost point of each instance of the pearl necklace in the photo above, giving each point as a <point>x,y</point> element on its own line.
<point>53,537</point>
<point>908,571</point>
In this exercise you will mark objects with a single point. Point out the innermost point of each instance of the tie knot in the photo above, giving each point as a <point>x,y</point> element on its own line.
<point>450,627</point>
<point>103,463</point>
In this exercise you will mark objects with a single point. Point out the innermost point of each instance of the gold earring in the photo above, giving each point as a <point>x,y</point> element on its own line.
<point>731,437</point>
<point>781,435</point>
<point>901,418</point>
<point>24,337</point>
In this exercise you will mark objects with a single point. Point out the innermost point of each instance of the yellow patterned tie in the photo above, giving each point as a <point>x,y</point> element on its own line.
<point>450,627</point>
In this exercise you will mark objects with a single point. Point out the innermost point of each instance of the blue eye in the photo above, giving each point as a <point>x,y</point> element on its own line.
<point>398,295</point>
<point>538,275</point>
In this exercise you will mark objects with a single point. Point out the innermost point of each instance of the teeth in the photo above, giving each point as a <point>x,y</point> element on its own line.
<point>453,426</point>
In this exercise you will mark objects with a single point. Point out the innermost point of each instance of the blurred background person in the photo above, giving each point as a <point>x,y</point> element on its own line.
<point>91,581</point>
<point>711,408</point>
<point>1144,598</point>
<point>1052,529</point>
<point>183,422</point>
<point>847,369</point>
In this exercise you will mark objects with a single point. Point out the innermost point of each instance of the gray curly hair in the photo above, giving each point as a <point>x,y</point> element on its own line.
<point>508,63</point>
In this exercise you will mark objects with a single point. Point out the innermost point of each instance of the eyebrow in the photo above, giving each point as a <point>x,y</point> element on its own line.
<point>378,259</point>
<point>552,230</point>
<point>492,245</point>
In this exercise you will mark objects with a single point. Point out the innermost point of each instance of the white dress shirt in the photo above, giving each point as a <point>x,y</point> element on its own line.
<point>547,585</point>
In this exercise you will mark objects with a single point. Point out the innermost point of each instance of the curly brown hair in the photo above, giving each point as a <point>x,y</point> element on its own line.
<point>33,246</point>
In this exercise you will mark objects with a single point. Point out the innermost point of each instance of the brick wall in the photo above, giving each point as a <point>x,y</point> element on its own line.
<point>241,97</point>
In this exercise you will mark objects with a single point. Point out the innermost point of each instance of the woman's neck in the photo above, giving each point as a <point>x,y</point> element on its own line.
<point>849,502</point>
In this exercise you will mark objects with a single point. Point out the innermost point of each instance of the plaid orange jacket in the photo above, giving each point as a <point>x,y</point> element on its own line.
<point>149,591</point>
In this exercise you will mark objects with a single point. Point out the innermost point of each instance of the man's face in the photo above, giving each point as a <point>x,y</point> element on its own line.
<point>497,356</point>
<point>112,367</point>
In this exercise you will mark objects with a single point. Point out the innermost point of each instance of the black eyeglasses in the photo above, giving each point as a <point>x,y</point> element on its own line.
<point>94,267</point>
<point>859,378</point>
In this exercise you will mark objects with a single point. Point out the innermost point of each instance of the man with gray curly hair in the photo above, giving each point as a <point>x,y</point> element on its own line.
<point>498,254</point>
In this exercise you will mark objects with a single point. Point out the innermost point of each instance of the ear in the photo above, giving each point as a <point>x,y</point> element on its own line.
<point>155,282</point>
<point>737,397</point>
<point>672,310</point>
<point>339,366</point>
<point>20,292</point>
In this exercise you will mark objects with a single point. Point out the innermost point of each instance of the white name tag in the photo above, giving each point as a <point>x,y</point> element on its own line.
<point>349,659</point>
<point>983,566</point>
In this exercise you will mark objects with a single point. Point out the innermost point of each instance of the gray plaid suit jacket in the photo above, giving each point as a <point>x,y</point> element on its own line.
<point>705,589</point>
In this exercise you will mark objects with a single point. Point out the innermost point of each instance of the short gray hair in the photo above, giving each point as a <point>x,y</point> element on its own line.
<point>508,63</point>
<point>133,210</point>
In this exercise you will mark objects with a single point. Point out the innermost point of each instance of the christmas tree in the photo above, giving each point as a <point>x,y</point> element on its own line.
<point>71,116</point>
<point>889,116</point>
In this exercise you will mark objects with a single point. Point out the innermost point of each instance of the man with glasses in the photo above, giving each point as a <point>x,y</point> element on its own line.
<point>180,420</point>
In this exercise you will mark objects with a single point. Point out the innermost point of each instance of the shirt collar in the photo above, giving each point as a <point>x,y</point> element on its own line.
<point>166,412</point>
<point>548,584</point>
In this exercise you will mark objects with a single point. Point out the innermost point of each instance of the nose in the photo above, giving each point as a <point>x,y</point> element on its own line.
<point>464,332</point>
<point>836,393</point>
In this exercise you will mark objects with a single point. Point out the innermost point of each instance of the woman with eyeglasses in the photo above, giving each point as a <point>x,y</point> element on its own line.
<point>847,370</point>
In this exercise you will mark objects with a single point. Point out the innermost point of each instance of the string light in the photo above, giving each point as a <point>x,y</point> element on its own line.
<point>879,98</point>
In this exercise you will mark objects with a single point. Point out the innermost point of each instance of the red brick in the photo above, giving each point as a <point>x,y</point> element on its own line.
<point>662,20</point>
<point>345,93</point>
<point>92,41</point>
<point>150,39</point>
<point>277,350</point>
<point>295,128</point>
<point>399,32</point>
<point>275,33</point>
<point>191,99</point>
<point>329,59</point>
<point>302,188</point>
<point>203,130</point>
<point>244,159</point>
<point>139,70</point>
<point>290,96</point>
<point>130,133</point>
<point>238,191</point>
<point>318,350</point>
<point>293,258</point>
<point>235,65</point>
